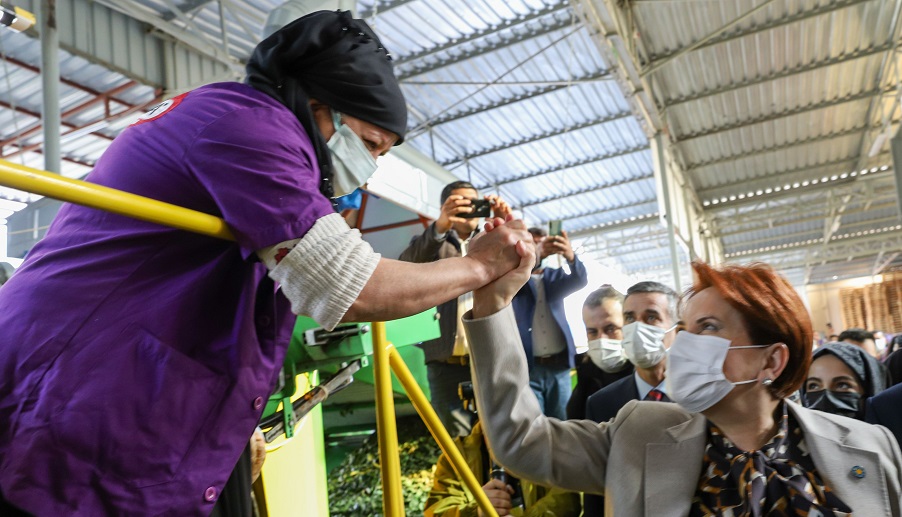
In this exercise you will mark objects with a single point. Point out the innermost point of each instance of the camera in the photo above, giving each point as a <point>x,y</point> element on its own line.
<point>502,475</point>
<point>481,208</point>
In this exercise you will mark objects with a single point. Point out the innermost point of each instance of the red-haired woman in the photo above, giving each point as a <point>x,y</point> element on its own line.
<point>732,445</point>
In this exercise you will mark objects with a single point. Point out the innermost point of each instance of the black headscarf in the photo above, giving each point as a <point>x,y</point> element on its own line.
<point>333,58</point>
<point>871,374</point>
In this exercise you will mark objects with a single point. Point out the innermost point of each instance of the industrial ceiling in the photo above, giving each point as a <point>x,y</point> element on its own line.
<point>775,114</point>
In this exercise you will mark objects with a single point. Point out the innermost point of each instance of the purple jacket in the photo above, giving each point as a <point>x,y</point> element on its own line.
<point>135,359</point>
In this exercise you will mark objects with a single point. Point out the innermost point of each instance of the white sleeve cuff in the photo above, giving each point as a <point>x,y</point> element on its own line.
<point>326,270</point>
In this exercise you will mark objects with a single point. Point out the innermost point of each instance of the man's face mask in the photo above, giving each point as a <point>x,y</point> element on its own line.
<point>352,162</point>
<point>643,344</point>
<point>607,354</point>
<point>842,403</point>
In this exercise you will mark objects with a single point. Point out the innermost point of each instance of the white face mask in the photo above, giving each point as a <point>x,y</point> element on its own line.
<point>352,162</point>
<point>607,354</point>
<point>643,344</point>
<point>695,378</point>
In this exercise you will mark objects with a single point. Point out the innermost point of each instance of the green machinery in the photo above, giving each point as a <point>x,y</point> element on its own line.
<point>338,354</point>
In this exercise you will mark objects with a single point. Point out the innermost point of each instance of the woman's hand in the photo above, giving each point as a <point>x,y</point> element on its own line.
<point>498,294</point>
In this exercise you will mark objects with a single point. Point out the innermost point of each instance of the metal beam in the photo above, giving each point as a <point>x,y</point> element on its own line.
<point>650,221</point>
<point>539,136</point>
<point>782,74</point>
<point>587,190</point>
<point>778,179</point>
<point>502,42</point>
<point>568,165</point>
<point>606,210</point>
<point>786,221</point>
<point>77,109</point>
<point>542,90</point>
<point>482,33</point>
<point>846,228</point>
<point>680,139</point>
<point>380,6</point>
<point>840,247</point>
<point>780,147</point>
<point>186,8</point>
<point>755,29</point>
<point>74,133</point>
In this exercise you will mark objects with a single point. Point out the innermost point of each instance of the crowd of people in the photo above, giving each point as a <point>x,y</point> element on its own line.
<point>135,359</point>
<point>637,344</point>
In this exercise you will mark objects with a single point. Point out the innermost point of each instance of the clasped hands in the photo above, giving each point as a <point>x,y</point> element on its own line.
<point>507,251</point>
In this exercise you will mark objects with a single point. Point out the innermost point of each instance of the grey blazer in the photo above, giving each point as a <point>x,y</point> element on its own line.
<point>648,460</point>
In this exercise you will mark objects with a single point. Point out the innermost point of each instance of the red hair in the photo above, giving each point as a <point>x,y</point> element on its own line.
<point>772,310</point>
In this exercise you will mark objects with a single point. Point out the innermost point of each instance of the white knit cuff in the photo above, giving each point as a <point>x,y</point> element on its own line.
<point>326,270</point>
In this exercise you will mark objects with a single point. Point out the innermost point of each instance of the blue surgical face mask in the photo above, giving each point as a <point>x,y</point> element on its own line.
<point>352,162</point>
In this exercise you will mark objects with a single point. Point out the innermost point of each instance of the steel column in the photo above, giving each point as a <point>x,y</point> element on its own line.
<point>661,168</point>
<point>50,83</point>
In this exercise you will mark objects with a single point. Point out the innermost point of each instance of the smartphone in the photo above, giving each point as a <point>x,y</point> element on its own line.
<point>554,227</point>
<point>481,208</point>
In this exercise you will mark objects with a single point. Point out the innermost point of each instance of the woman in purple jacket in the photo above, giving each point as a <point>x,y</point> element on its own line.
<point>135,359</point>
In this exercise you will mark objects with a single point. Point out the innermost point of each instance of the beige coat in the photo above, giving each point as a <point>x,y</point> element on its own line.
<point>648,460</point>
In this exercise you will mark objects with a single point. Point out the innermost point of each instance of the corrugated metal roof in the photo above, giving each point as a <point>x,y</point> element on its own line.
<point>516,97</point>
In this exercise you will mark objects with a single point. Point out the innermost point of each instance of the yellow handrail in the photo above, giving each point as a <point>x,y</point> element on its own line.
<point>386,429</point>
<point>112,200</point>
<point>385,358</point>
<point>444,440</point>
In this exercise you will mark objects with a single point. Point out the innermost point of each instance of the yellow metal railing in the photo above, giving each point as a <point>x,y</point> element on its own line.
<point>385,357</point>
<point>104,198</point>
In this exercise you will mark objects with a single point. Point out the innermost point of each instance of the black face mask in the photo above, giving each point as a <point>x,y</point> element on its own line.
<point>843,403</point>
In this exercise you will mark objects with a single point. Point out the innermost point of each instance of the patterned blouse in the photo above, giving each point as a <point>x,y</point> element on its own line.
<point>780,479</point>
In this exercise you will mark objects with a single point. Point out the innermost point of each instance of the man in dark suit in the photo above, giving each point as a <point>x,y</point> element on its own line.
<point>883,409</point>
<point>546,336</point>
<point>604,363</point>
<point>650,316</point>
<point>447,361</point>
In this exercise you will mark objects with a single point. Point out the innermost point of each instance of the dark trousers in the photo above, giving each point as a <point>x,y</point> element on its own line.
<point>235,500</point>
<point>444,379</point>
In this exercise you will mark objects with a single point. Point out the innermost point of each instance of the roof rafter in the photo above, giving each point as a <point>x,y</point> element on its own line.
<point>782,114</point>
<point>502,42</point>
<point>587,190</point>
<point>780,191</point>
<point>541,90</point>
<point>539,136</point>
<point>569,165</point>
<point>488,31</point>
<point>755,29</point>
<point>782,74</point>
<point>780,147</point>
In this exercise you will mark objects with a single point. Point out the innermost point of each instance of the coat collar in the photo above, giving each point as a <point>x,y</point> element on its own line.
<point>673,467</point>
<point>854,474</point>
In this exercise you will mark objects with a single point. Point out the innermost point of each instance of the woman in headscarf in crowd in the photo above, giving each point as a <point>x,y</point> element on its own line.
<point>136,359</point>
<point>893,360</point>
<point>731,445</point>
<point>841,378</point>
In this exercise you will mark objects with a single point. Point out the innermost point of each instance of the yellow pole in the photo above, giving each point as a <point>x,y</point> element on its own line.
<point>389,457</point>
<point>444,440</point>
<point>104,198</point>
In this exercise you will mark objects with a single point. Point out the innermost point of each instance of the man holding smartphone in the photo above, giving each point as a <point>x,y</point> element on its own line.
<point>447,357</point>
<point>546,336</point>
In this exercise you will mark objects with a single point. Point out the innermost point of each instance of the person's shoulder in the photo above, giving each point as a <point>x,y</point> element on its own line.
<point>856,433</point>
<point>235,95</point>
<point>616,386</point>
<point>655,416</point>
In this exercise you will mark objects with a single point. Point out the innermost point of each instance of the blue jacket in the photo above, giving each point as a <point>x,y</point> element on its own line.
<point>558,285</point>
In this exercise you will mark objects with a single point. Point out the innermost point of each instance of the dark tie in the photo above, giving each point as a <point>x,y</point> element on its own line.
<point>656,395</point>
